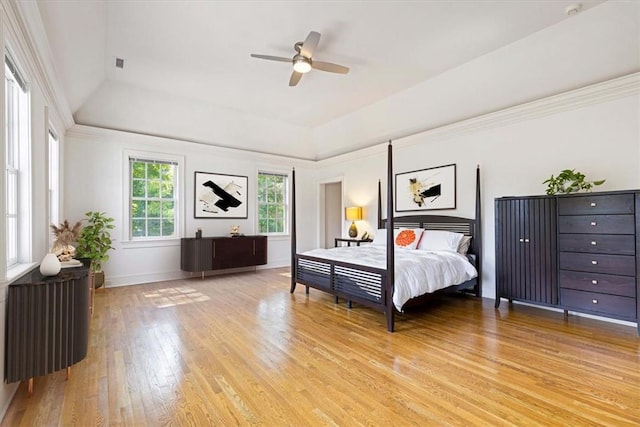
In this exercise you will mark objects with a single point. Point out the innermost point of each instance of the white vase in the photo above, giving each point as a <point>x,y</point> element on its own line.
<point>50,265</point>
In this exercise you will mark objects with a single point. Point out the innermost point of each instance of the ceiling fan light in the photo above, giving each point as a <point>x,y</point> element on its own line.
<point>302,65</point>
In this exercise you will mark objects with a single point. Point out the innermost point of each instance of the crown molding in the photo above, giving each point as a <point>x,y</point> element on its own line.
<point>25,25</point>
<point>597,93</point>
<point>609,90</point>
<point>153,142</point>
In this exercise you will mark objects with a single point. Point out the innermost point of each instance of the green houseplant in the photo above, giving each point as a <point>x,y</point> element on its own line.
<point>94,242</point>
<point>569,181</point>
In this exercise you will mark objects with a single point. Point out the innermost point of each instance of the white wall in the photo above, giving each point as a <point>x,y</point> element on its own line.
<point>601,139</point>
<point>96,177</point>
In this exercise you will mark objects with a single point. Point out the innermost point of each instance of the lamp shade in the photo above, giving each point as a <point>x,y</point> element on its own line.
<point>353,213</point>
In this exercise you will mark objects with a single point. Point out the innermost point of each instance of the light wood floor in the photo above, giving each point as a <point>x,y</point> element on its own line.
<point>240,350</point>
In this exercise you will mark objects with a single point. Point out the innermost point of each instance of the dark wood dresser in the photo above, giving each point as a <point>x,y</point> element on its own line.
<point>593,252</point>
<point>217,253</point>
<point>47,323</point>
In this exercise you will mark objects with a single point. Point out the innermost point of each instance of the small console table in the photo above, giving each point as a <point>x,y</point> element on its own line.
<point>217,253</point>
<point>47,323</point>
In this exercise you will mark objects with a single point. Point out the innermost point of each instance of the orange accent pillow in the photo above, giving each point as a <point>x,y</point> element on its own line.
<point>407,238</point>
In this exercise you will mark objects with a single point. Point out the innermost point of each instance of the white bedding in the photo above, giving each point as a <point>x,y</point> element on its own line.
<point>417,272</point>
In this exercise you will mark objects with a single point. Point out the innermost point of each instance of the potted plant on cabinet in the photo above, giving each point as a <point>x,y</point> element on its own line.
<point>94,243</point>
<point>569,181</point>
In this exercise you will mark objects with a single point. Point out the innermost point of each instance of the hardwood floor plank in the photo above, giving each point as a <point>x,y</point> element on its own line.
<point>240,350</point>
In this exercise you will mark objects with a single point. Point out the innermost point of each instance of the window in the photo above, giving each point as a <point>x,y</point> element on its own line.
<point>153,198</point>
<point>273,207</point>
<point>54,183</point>
<point>17,165</point>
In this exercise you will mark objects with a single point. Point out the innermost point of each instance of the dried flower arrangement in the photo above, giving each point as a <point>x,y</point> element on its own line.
<point>65,235</point>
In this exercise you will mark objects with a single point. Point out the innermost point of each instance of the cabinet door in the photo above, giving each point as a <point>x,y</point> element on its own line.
<point>260,253</point>
<point>525,249</point>
<point>233,252</point>
<point>195,254</point>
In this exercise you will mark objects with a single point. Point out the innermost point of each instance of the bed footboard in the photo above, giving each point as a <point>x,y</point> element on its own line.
<point>356,283</point>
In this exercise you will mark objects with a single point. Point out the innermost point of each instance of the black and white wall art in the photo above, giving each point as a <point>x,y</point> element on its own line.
<point>426,189</point>
<point>220,195</point>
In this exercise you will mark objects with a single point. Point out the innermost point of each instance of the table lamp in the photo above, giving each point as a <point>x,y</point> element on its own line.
<point>353,214</point>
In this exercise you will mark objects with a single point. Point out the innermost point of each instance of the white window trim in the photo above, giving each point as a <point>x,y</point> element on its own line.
<point>24,254</point>
<point>53,185</point>
<point>126,240</point>
<point>276,171</point>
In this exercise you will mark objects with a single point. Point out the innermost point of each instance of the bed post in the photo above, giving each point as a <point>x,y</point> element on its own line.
<point>293,230</point>
<point>389,311</point>
<point>478,235</point>
<point>380,223</point>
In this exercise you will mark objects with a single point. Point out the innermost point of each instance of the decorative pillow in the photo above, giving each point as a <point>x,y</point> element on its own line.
<point>438,240</point>
<point>402,238</point>
<point>380,238</point>
<point>463,246</point>
<point>407,238</point>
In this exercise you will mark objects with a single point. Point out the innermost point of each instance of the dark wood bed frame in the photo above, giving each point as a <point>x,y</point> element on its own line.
<point>373,287</point>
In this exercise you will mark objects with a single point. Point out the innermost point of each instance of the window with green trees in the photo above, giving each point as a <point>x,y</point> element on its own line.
<point>273,197</point>
<point>153,204</point>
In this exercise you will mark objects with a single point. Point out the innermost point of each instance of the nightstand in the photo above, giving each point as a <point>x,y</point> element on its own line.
<point>349,241</point>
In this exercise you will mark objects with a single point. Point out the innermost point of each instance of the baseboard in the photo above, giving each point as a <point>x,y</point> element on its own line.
<point>7,403</point>
<point>576,313</point>
<point>139,279</point>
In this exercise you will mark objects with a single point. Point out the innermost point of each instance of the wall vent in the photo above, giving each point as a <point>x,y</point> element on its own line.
<point>119,63</point>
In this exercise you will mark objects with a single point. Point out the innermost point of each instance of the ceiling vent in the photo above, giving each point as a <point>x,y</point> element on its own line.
<point>119,63</point>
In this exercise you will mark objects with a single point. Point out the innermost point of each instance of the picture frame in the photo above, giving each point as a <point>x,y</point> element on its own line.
<point>218,195</point>
<point>426,189</point>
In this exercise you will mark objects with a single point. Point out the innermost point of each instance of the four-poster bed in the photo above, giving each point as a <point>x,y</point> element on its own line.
<point>373,286</point>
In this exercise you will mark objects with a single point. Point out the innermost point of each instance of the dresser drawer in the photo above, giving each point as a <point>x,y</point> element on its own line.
<point>601,283</point>
<point>596,204</point>
<point>593,302</point>
<point>622,265</point>
<point>597,224</point>
<point>614,244</point>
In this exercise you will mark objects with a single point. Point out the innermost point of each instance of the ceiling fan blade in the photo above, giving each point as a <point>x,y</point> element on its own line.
<point>272,58</point>
<point>310,43</point>
<point>328,66</point>
<point>295,78</point>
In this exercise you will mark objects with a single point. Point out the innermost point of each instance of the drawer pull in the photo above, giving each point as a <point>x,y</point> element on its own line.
<point>593,223</point>
<point>594,262</point>
<point>526,240</point>
<point>594,243</point>
<point>595,301</point>
<point>594,282</point>
<point>593,204</point>
<point>521,240</point>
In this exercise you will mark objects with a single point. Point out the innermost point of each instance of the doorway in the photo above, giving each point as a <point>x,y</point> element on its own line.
<point>330,212</point>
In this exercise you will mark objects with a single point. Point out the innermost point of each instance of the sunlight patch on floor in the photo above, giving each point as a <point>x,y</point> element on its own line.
<point>287,274</point>
<point>169,297</point>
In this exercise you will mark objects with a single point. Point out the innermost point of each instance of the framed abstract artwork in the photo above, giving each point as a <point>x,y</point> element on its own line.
<point>426,189</point>
<point>220,196</point>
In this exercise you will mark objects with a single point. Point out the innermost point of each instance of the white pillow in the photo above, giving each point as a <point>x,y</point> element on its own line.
<point>380,238</point>
<point>438,240</point>
<point>409,237</point>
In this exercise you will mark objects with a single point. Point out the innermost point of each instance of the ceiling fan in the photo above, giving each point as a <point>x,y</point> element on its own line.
<point>302,61</point>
